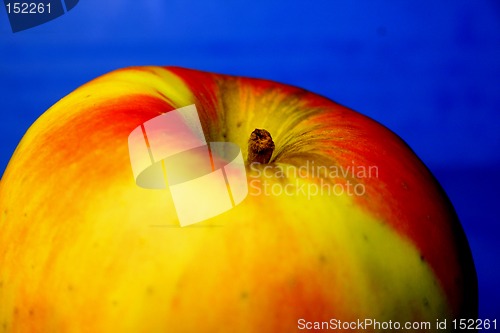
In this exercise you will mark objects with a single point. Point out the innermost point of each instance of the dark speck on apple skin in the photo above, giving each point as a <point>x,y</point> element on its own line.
<point>426,302</point>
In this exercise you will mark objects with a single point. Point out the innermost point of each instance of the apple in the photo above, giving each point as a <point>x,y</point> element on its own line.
<point>342,221</point>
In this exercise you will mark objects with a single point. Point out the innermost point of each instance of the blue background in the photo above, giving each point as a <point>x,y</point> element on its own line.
<point>429,70</point>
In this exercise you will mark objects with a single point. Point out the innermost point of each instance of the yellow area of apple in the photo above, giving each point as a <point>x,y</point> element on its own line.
<point>83,249</point>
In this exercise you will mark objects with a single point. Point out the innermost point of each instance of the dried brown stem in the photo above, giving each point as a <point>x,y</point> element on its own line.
<point>260,147</point>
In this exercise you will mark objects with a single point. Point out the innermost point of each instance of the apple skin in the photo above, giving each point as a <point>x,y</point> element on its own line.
<point>81,249</point>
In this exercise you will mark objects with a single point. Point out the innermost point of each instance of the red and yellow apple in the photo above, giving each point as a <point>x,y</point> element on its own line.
<point>84,249</point>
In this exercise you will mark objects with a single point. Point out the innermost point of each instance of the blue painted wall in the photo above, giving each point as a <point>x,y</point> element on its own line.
<point>429,70</point>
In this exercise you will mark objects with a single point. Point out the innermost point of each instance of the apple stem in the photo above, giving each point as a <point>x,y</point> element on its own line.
<point>260,147</point>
